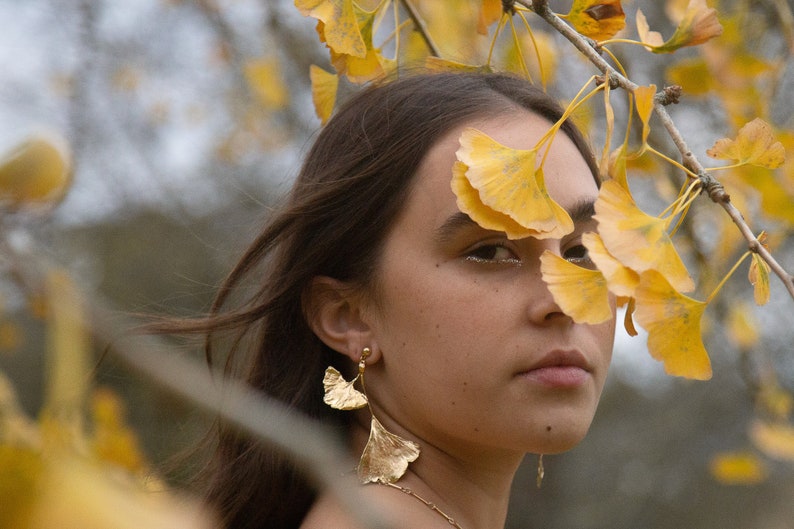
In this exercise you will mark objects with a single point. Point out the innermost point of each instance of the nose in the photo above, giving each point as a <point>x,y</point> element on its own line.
<point>542,309</point>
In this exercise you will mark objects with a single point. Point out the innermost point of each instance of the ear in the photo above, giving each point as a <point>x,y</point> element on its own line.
<point>336,313</point>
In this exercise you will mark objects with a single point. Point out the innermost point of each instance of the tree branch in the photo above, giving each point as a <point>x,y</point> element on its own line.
<point>420,26</point>
<point>708,183</point>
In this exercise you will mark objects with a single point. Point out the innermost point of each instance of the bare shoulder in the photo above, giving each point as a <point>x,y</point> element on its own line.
<point>399,510</point>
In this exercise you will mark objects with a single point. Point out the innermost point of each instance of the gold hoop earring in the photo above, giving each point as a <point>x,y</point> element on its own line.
<point>386,455</point>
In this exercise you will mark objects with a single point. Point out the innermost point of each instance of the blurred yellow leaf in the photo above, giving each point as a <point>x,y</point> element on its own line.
<point>264,77</point>
<point>67,362</point>
<point>581,293</point>
<point>738,468</point>
<point>754,144</point>
<point>597,19</point>
<point>113,441</point>
<point>20,479</point>
<point>438,64</point>
<point>38,171</point>
<point>774,439</point>
<point>340,24</point>
<point>76,494</point>
<point>693,75</point>
<point>324,87</point>
<point>540,55</point>
<point>742,329</point>
<point>621,281</point>
<point>636,239</point>
<point>673,324</point>
<point>643,99</point>
<point>490,12</point>
<point>700,24</point>
<point>509,182</point>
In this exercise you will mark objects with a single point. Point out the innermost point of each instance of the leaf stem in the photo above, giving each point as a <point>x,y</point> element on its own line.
<point>727,276</point>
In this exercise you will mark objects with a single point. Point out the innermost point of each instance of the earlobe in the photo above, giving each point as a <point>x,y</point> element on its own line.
<point>334,312</point>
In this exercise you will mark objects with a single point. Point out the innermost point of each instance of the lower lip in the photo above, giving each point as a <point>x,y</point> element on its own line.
<point>558,376</point>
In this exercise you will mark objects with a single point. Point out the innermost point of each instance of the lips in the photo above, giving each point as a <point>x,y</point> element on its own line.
<point>560,369</point>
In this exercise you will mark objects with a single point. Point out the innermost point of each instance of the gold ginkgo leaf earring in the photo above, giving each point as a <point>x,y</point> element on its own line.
<point>386,456</point>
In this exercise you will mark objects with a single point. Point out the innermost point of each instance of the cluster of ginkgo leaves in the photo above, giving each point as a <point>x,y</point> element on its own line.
<point>633,251</point>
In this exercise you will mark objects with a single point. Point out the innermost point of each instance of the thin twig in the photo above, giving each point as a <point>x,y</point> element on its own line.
<point>713,188</point>
<point>420,26</point>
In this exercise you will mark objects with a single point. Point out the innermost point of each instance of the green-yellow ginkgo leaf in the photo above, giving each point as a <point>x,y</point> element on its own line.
<point>759,278</point>
<point>509,181</point>
<point>700,24</point>
<point>324,88</point>
<point>636,239</point>
<point>621,281</point>
<point>339,393</point>
<point>755,144</point>
<point>386,455</point>
<point>673,324</point>
<point>340,24</point>
<point>597,19</point>
<point>581,293</point>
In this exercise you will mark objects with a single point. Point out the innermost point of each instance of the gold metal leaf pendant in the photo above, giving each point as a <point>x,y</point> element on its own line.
<point>386,455</point>
<point>339,393</point>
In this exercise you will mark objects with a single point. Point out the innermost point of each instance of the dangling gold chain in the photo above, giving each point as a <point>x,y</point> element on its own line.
<point>430,505</point>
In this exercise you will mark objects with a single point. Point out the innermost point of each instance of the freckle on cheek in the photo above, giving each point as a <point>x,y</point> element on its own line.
<point>548,428</point>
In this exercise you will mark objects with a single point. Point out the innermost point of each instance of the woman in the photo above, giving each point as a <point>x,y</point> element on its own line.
<point>371,264</point>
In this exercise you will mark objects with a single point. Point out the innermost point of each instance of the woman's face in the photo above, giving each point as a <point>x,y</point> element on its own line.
<point>475,353</point>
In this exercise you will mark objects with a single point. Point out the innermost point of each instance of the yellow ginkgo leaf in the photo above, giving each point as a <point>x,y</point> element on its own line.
<point>759,278</point>
<point>340,25</point>
<point>755,144</point>
<point>386,455</point>
<point>490,12</point>
<point>774,439</point>
<point>21,469</point>
<point>581,293</point>
<point>597,19</point>
<point>643,99</point>
<point>360,68</point>
<point>468,200</point>
<point>621,281</point>
<point>636,239</point>
<point>339,393</point>
<point>738,468</point>
<point>324,87</point>
<point>700,24</point>
<point>38,171</point>
<point>673,324</point>
<point>264,77</point>
<point>509,181</point>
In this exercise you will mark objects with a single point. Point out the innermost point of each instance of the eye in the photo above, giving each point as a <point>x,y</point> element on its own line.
<point>579,255</point>
<point>492,253</point>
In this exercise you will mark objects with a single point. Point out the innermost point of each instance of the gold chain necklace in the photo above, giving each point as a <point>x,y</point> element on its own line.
<point>430,505</point>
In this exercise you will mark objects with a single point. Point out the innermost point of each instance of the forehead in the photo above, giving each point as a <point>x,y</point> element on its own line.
<point>567,174</point>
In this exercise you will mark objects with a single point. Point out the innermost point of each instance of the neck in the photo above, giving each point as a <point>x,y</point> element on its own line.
<point>471,486</point>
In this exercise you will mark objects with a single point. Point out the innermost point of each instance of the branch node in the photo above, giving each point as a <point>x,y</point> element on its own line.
<point>670,95</point>
<point>614,82</point>
<point>714,188</point>
<point>509,7</point>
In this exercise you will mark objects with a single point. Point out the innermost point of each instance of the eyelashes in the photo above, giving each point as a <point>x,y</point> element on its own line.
<point>501,253</point>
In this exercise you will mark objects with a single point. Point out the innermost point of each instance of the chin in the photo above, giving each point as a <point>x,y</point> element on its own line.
<point>555,439</point>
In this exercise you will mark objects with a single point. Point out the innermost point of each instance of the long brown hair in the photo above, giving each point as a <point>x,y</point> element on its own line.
<point>353,183</point>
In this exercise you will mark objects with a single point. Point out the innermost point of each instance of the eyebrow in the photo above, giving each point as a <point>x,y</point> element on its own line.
<point>581,212</point>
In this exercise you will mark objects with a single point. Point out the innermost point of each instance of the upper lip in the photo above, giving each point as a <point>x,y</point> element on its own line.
<point>562,358</point>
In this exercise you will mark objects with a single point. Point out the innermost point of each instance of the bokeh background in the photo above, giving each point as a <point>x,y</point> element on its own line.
<point>186,120</point>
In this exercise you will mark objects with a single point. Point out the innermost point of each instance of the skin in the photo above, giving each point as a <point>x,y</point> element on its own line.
<point>458,323</point>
